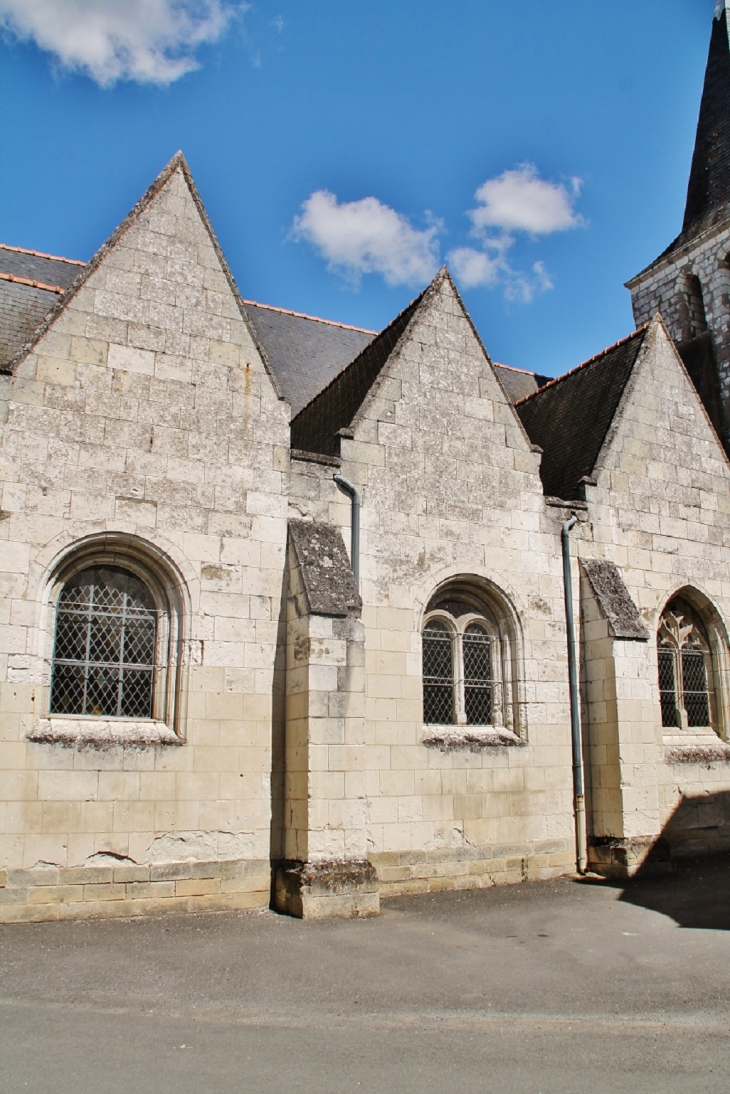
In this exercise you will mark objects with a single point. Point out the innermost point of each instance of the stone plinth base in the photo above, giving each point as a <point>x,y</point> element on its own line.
<point>324,890</point>
<point>623,857</point>
<point>402,872</point>
<point>120,888</point>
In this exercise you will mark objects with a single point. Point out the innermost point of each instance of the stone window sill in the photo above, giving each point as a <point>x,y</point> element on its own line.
<point>469,738</point>
<point>102,733</point>
<point>702,747</point>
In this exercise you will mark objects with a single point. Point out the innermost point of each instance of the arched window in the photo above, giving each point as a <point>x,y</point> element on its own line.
<point>105,651</point>
<point>466,662</point>
<point>696,306</point>
<point>686,678</point>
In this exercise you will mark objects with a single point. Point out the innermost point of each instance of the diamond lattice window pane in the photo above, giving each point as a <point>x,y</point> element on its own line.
<point>694,681</point>
<point>437,653</point>
<point>667,687</point>
<point>104,655</point>
<point>438,675</point>
<point>477,655</point>
<point>438,705</point>
<point>478,703</point>
<point>477,676</point>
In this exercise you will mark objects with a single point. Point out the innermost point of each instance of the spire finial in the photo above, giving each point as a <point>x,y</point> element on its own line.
<point>708,192</point>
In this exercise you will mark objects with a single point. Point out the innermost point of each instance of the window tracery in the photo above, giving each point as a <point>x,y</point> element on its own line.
<point>685,668</point>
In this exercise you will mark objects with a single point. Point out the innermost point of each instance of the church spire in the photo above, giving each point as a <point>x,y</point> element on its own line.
<point>709,183</point>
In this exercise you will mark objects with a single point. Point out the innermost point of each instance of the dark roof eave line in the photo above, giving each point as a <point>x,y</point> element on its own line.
<point>591,361</point>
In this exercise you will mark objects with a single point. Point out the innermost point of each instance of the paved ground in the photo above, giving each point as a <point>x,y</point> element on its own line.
<point>546,988</point>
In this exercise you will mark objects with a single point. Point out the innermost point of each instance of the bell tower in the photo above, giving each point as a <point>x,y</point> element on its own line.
<point>690,282</point>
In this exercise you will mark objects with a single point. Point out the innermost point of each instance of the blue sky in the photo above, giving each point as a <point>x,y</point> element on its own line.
<point>339,145</point>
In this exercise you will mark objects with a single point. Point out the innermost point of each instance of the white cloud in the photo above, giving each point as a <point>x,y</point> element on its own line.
<point>475,269</point>
<point>148,41</point>
<point>516,201</point>
<point>366,236</point>
<point>520,201</point>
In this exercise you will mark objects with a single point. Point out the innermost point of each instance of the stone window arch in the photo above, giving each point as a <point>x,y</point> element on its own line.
<point>116,654</point>
<point>689,657</point>
<point>468,649</point>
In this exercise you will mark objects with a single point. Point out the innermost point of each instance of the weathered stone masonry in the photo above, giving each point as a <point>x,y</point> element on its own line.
<point>298,741</point>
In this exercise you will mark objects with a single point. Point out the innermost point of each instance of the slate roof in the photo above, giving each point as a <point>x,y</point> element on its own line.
<point>709,182</point>
<point>708,191</point>
<point>518,383</point>
<point>305,353</point>
<point>30,285</point>
<point>570,417</point>
<point>316,427</point>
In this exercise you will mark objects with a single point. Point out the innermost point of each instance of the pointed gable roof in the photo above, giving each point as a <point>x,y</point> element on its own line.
<point>316,427</point>
<point>177,163</point>
<point>570,417</point>
<point>708,193</point>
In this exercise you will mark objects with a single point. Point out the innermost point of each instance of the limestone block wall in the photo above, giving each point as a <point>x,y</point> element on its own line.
<point>661,512</point>
<point>450,486</point>
<point>143,425</point>
<point>665,288</point>
<point>324,871</point>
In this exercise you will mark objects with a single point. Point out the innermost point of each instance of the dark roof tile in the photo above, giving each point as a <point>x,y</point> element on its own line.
<point>39,267</point>
<point>305,353</point>
<point>22,309</point>
<point>518,383</point>
<point>315,428</point>
<point>709,181</point>
<point>570,417</point>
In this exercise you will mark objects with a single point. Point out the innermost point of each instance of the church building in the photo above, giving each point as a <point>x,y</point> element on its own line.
<point>284,617</point>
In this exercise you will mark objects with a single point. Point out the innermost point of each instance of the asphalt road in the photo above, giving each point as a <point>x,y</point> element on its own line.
<point>546,988</point>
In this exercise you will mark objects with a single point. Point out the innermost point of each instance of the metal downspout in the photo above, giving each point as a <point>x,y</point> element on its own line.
<point>352,490</point>
<point>579,801</point>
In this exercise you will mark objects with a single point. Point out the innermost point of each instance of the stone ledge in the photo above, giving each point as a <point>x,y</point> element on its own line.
<point>471,739</point>
<point>710,752</point>
<point>102,733</point>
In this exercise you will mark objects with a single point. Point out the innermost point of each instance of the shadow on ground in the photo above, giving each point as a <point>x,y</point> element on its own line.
<point>695,894</point>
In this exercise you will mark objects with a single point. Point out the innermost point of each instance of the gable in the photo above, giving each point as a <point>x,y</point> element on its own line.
<point>316,428</point>
<point>661,433</point>
<point>435,335</point>
<point>156,298</point>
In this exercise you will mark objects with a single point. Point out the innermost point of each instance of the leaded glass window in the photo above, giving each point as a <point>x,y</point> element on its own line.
<point>477,676</point>
<point>685,668</point>
<point>438,674</point>
<point>104,650</point>
<point>461,680</point>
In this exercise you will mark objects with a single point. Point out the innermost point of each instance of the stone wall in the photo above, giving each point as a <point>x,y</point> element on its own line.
<point>660,511</point>
<point>690,287</point>
<point>450,486</point>
<point>143,427</point>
